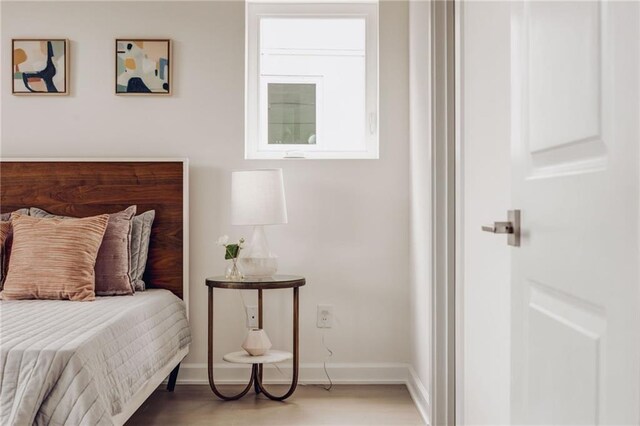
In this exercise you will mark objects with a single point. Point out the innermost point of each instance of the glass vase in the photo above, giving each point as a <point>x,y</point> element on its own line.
<point>233,271</point>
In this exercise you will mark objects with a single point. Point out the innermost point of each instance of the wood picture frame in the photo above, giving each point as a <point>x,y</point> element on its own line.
<point>28,78</point>
<point>132,55</point>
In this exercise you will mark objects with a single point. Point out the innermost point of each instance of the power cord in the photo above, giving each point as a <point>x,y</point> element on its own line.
<point>324,366</point>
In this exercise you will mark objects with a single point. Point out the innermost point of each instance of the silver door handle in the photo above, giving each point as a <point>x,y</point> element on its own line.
<point>499,228</point>
<point>512,228</point>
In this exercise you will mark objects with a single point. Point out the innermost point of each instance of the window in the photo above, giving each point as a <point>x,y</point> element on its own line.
<point>312,80</point>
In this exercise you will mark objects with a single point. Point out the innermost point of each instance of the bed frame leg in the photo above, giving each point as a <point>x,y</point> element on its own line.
<point>172,379</point>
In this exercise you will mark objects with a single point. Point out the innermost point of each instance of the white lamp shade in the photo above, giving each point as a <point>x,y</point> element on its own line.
<point>257,197</point>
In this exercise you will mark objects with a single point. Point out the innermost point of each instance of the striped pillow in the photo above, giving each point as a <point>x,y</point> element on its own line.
<point>114,272</point>
<point>53,258</point>
<point>5,228</point>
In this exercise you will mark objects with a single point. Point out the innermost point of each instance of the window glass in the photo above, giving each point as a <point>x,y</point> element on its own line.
<point>292,113</point>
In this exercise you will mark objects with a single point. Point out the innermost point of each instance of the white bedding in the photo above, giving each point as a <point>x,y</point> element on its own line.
<point>73,363</point>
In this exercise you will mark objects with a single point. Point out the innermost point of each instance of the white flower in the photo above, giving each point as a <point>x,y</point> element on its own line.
<point>241,243</point>
<point>222,241</point>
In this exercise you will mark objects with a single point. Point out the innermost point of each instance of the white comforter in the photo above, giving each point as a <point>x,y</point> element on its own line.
<point>72,363</point>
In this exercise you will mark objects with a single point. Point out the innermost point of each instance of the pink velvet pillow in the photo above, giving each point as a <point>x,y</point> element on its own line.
<point>113,265</point>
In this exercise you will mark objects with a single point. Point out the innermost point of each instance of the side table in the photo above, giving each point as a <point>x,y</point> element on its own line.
<point>259,284</point>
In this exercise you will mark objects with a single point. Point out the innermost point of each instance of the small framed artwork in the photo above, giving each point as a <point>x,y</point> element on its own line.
<point>40,66</point>
<point>143,67</point>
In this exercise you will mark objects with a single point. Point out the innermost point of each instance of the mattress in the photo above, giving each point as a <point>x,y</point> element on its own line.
<point>74,363</point>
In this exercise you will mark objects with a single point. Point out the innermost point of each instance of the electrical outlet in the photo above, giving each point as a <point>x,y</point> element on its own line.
<point>325,316</point>
<point>252,316</point>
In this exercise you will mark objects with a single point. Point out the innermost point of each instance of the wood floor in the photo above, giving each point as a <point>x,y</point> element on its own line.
<point>310,405</point>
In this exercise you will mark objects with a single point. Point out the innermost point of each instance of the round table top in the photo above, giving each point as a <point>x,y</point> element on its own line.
<point>271,357</point>
<point>249,283</point>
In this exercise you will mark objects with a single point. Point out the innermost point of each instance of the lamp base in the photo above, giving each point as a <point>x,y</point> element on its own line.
<point>257,261</point>
<point>259,267</point>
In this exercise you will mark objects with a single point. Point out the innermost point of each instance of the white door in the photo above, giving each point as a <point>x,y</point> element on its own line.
<point>574,285</point>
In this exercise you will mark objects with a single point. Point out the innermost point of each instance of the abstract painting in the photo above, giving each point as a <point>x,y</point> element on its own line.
<point>40,67</point>
<point>143,67</point>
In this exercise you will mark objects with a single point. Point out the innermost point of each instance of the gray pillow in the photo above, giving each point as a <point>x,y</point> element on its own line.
<point>7,216</point>
<point>140,235</point>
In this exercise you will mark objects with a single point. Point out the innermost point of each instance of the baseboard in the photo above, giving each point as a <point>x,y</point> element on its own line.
<point>351,373</point>
<point>419,394</point>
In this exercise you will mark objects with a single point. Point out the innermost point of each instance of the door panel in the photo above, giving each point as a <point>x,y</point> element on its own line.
<point>558,64</point>
<point>563,57</point>
<point>574,82</point>
<point>564,339</point>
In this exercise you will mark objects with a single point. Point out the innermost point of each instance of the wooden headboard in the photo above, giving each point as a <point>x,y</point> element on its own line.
<point>88,188</point>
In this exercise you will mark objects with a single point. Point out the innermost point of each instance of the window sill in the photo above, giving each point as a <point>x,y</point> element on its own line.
<point>326,155</point>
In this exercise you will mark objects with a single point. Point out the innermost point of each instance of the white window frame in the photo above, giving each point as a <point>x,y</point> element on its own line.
<point>255,142</point>
<point>263,132</point>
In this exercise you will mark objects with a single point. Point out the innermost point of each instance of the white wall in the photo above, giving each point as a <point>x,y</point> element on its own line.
<point>348,228</point>
<point>486,189</point>
<point>420,206</point>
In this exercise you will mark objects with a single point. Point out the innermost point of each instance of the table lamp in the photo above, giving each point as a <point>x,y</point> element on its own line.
<point>257,198</point>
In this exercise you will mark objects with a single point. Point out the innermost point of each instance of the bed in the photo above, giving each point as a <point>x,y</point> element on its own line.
<point>96,362</point>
